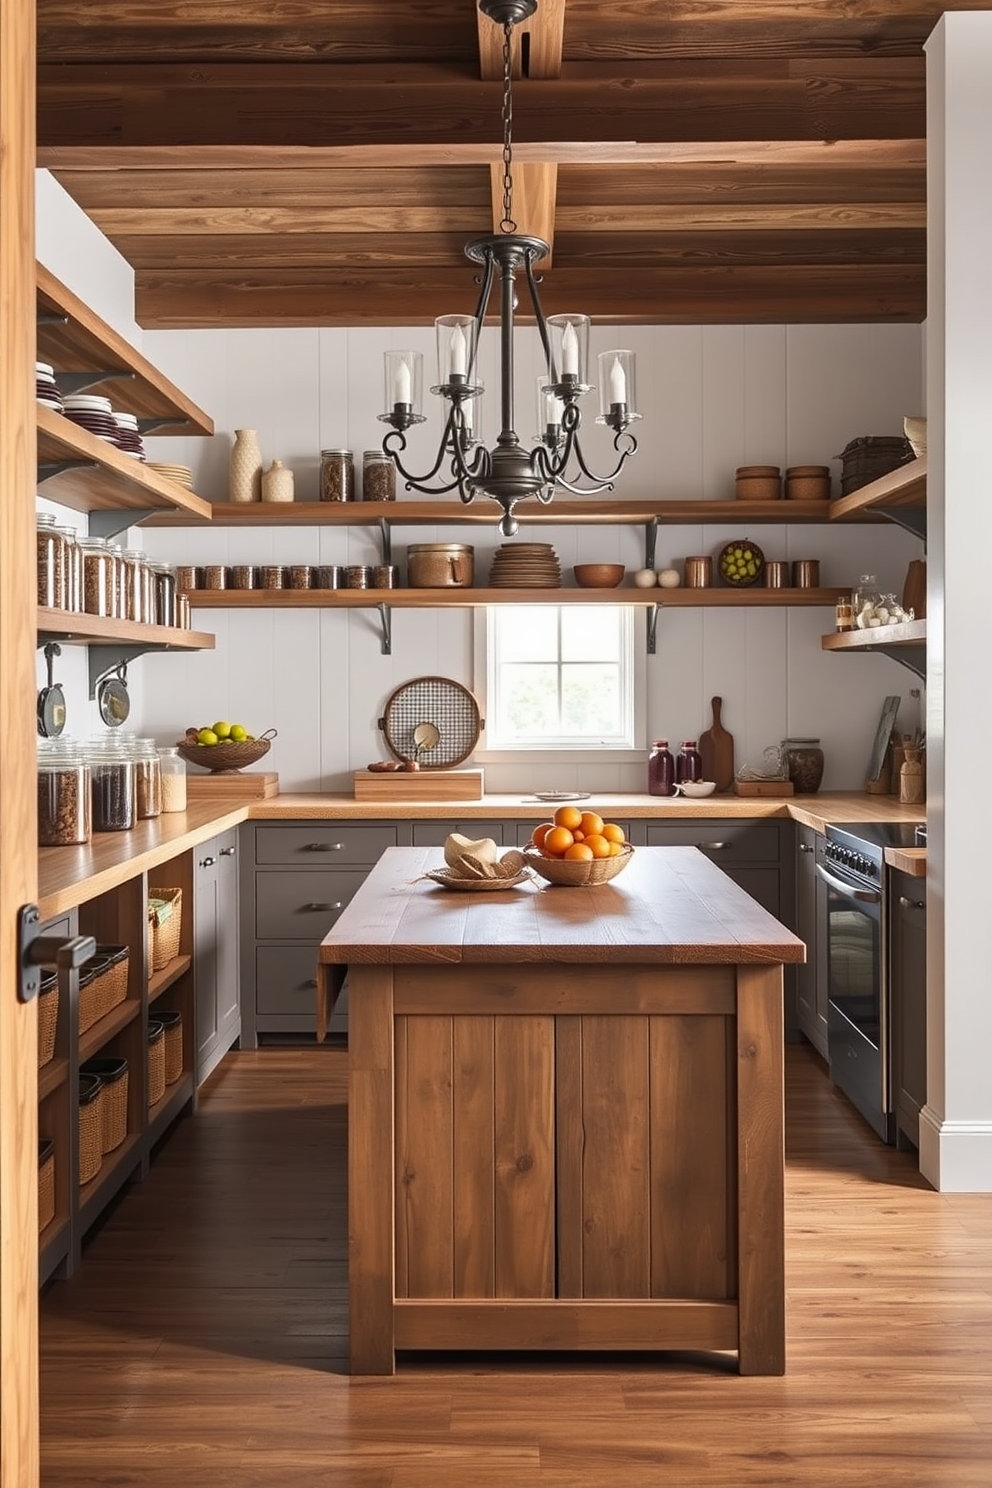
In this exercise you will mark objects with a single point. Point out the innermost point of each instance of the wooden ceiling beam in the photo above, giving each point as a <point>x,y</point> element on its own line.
<point>534,192</point>
<point>676,296</point>
<point>536,44</point>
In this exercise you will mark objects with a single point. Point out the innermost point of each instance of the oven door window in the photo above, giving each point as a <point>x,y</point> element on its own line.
<point>854,954</point>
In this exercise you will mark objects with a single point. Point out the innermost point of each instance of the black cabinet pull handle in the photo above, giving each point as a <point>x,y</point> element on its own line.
<point>322,906</point>
<point>228,852</point>
<point>905,903</point>
<point>207,862</point>
<point>805,847</point>
<point>325,846</point>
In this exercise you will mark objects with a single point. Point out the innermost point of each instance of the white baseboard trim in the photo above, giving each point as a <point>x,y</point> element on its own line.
<point>956,1156</point>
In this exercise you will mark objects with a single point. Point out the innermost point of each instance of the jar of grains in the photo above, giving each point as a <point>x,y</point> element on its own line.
<point>139,603</point>
<point>74,570</point>
<point>52,564</point>
<point>113,780</point>
<point>378,476</point>
<point>64,816</point>
<point>98,576</point>
<point>337,475</point>
<point>116,552</point>
<point>173,779</point>
<point>147,779</point>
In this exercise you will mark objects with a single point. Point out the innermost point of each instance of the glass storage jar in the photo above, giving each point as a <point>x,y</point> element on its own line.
<point>173,770</point>
<point>52,564</point>
<point>165,593</point>
<point>864,600</point>
<point>378,476</point>
<point>64,807</point>
<point>116,552</point>
<point>113,781</point>
<point>803,759</point>
<point>147,779</point>
<point>661,769</point>
<point>98,576</point>
<point>688,765</point>
<point>337,475</point>
<point>74,570</point>
<point>139,594</point>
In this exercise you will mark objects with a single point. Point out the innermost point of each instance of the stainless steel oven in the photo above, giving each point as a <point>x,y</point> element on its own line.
<point>858,1015</point>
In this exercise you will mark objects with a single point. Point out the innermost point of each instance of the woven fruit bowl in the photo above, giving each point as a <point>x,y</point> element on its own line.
<point>227,756</point>
<point>740,563</point>
<point>578,874</point>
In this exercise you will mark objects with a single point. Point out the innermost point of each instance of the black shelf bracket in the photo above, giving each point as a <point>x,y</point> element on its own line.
<point>650,542</point>
<point>109,523</point>
<point>59,467</point>
<point>910,518</point>
<point>652,619</point>
<point>149,425</point>
<point>104,657</point>
<point>385,629</point>
<point>75,382</point>
<point>912,657</point>
<point>385,541</point>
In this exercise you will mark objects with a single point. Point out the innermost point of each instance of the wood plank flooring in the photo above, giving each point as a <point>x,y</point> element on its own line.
<point>204,1340</point>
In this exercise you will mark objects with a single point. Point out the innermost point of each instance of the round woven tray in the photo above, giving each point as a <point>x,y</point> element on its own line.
<point>449,880</point>
<point>225,757</point>
<point>578,874</point>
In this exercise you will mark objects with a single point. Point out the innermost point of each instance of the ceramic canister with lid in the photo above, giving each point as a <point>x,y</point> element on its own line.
<point>440,565</point>
<point>803,759</point>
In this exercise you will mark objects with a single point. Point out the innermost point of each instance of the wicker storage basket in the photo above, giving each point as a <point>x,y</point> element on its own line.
<point>46,1182</point>
<point>113,1073</point>
<point>172,1021</point>
<point>90,999</point>
<point>578,874</point>
<point>165,919</point>
<point>156,1061</point>
<point>110,968</point>
<point>864,460</point>
<point>48,1016</point>
<point>90,1127</point>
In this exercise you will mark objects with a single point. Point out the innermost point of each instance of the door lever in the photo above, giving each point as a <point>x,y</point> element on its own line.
<point>36,950</point>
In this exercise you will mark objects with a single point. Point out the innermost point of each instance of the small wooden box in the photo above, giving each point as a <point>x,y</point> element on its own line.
<point>419,785</point>
<point>254,785</point>
<point>764,788</point>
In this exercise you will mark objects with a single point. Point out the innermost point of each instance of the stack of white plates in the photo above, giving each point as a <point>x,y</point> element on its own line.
<point>525,566</point>
<point>182,474</point>
<point>46,389</point>
<point>129,440</point>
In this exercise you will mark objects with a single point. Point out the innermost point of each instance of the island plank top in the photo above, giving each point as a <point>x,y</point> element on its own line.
<point>670,906</point>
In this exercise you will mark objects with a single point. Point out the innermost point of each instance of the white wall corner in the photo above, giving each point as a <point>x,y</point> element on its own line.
<point>75,250</point>
<point>955,1156</point>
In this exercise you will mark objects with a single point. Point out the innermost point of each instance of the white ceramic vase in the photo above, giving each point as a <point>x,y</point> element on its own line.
<point>246,467</point>
<point>277,483</point>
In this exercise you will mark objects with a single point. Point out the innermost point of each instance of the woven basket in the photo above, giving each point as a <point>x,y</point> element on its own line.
<point>90,1127</point>
<point>156,1062</point>
<point>226,756</point>
<point>165,918</point>
<point>578,874</point>
<point>757,560</point>
<point>46,1182</point>
<point>172,1020</point>
<point>864,460</point>
<point>48,1017</point>
<point>113,1100</point>
<point>109,985</point>
<point>90,1000</point>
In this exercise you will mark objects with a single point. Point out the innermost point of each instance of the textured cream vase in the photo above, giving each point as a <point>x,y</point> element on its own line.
<point>246,467</point>
<point>277,483</point>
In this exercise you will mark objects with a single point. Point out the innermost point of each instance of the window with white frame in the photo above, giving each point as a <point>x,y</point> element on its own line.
<point>560,677</point>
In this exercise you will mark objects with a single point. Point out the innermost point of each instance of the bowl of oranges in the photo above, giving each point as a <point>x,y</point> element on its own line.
<point>578,848</point>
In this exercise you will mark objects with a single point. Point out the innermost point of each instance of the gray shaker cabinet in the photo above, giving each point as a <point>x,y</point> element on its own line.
<point>215,949</point>
<point>908,1001</point>
<point>811,916</point>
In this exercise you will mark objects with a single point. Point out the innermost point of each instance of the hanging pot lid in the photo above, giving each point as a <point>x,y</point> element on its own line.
<point>433,721</point>
<point>51,699</point>
<point>112,697</point>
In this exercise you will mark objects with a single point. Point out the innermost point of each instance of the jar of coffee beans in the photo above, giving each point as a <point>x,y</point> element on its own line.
<point>113,779</point>
<point>53,576</point>
<point>378,476</point>
<point>337,475</point>
<point>64,816</point>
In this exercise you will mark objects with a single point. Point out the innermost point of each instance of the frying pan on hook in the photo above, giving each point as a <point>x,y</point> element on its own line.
<point>51,699</point>
<point>112,697</point>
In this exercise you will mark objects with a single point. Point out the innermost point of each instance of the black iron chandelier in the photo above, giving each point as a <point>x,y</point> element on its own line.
<point>509,473</point>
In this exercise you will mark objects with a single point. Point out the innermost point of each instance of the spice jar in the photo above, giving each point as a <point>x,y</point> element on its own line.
<point>270,576</point>
<point>357,576</point>
<point>214,576</point>
<point>52,564</point>
<point>378,476</point>
<point>440,565</point>
<point>98,576</point>
<point>173,771</point>
<point>242,576</point>
<point>803,760</point>
<point>328,576</point>
<point>661,769</point>
<point>299,576</point>
<point>337,475</point>
<point>147,779</point>
<point>64,815</point>
<point>843,613</point>
<point>186,577</point>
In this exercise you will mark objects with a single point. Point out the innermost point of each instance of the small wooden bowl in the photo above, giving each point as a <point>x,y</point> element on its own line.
<point>225,757</point>
<point>744,580</point>
<point>577,874</point>
<point>599,575</point>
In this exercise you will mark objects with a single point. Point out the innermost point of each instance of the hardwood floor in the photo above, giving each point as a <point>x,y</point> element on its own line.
<point>204,1340</point>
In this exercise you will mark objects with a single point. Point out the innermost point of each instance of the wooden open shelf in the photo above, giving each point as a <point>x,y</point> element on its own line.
<point>52,1075</point>
<point>432,599</point>
<point>93,1040</point>
<point>71,627</point>
<point>904,487</point>
<point>912,633</point>
<point>73,338</point>
<point>161,981</point>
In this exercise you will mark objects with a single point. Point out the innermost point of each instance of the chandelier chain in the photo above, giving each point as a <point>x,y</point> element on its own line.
<point>507,225</point>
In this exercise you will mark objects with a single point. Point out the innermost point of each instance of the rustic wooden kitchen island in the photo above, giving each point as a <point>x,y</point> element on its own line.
<point>565,1113</point>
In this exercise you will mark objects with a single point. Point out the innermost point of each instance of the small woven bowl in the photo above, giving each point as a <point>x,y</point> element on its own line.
<point>226,757</point>
<point>759,557</point>
<point>578,874</point>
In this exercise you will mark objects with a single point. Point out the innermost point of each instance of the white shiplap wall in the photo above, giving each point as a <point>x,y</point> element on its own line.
<point>712,398</point>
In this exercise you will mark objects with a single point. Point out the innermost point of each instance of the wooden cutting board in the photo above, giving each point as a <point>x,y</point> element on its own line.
<point>716,750</point>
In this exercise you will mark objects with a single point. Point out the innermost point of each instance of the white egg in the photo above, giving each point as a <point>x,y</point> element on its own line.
<point>645,578</point>
<point>669,578</point>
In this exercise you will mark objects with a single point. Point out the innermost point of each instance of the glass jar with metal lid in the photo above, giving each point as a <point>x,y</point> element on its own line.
<point>64,814</point>
<point>337,475</point>
<point>165,593</point>
<point>139,591</point>
<point>52,564</point>
<point>173,770</point>
<point>113,778</point>
<point>147,778</point>
<point>440,565</point>
<point>99,592</point>
<point>74,569</point>
<point>378,476</point>
<point>116,552</point>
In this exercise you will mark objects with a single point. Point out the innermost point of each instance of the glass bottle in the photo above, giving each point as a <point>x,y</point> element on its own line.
<point>688,765</point>
<point>661,769</point>
<point>173,770</point>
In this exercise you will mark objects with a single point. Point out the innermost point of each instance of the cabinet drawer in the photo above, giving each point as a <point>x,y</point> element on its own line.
<point>286,980</point>
<point>334,844</point>
<point>433,833</point>
<point>723,841</point>
<point>301,906</point>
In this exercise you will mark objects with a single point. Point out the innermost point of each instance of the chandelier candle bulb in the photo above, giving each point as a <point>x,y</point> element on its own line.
<point>618,382</point>
<point>458,353</point>
<point>569,351</point>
